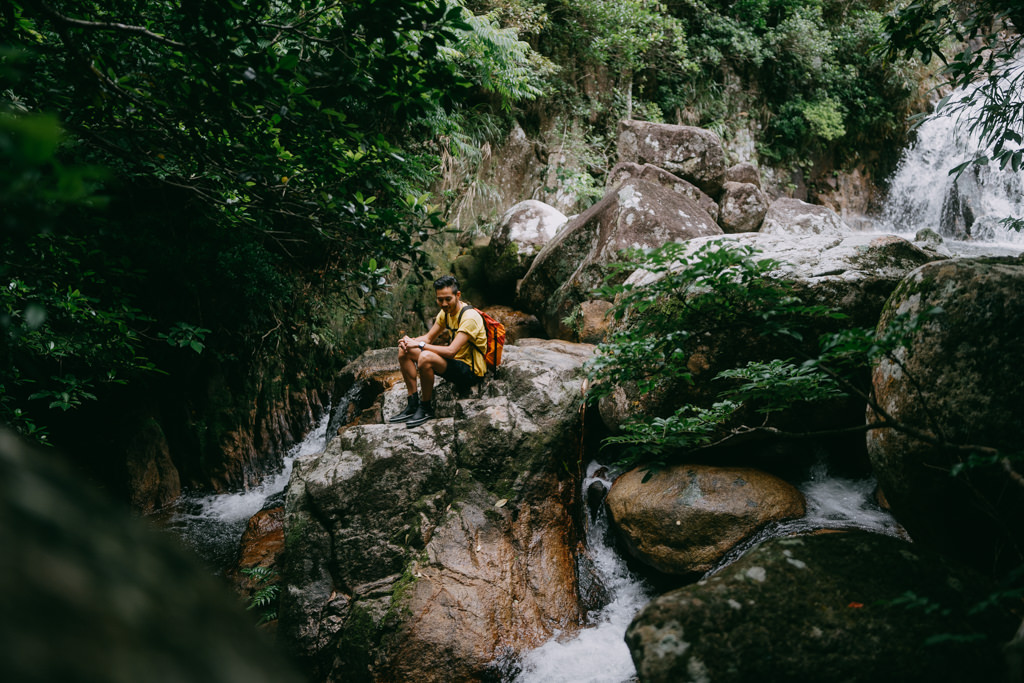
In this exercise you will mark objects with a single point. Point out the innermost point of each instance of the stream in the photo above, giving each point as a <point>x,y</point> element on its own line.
<point>598,654</point>
<point>965,211</point>
<point>213,524</point>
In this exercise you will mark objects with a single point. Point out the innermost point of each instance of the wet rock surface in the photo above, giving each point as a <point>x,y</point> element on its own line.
<point>683,519</point>
<point>422,554</point>
<point>818,608</point>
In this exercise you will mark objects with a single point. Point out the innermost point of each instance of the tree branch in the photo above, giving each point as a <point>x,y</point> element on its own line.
<point>105,25</point>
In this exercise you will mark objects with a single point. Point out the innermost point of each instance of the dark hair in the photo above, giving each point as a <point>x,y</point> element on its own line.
<point>447,281</point>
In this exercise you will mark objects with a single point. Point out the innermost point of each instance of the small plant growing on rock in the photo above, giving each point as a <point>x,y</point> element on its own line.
<point>267,593</point>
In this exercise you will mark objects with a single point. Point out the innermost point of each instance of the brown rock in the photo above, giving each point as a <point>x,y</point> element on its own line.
<point>594,321</point>
<point>518,325</point>
<point>153,480</point>
<point>744,172</point>
<point>685,518</point>
<point>503,586</point>
<point>263,539</point>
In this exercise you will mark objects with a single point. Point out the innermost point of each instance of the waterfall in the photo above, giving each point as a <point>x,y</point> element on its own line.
<point>964,208</point>
<point>212,524</point>
<point>598,654</point>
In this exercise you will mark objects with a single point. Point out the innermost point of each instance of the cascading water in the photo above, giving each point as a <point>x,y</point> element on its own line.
<point>967,208</point>
<point>598,654</point>
<point>212,524</point>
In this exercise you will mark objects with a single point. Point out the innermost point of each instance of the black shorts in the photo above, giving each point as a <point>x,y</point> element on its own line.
<point>460,373</point>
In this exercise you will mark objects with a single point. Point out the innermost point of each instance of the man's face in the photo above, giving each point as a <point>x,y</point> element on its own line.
<point>448,301</point>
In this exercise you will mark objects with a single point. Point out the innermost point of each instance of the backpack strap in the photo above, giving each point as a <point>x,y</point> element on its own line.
<point>472,344</point>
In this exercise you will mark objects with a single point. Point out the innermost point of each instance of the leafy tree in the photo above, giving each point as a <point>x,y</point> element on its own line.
<point>983,70</point>
<point>190,185</point>
<point>802,71</point>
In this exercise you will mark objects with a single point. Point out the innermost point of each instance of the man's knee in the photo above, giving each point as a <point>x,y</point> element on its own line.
<point>429,359</point>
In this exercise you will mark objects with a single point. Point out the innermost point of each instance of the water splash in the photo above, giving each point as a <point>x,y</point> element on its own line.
<point>597,654</point>
<point>967,208</point>
<point>212,524</point>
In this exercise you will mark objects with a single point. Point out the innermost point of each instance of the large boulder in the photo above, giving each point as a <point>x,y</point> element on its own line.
<point>788,216</point>
<point>522,233</point>
<point>684,519</point>
<point>694,154</point>
<point>627,169</point>
<point>92,592</point>
<point>638,214</point>
<point>743,207</point>
<point>854,274</point>
<point>814,608</point>
<point>423,554</point>
<point>959,381</point>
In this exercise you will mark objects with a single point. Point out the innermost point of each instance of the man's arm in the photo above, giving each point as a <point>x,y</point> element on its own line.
<point>428,338</point>
<point>448,351</point>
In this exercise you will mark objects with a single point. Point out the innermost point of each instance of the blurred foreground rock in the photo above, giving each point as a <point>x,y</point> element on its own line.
<point>90,593</point>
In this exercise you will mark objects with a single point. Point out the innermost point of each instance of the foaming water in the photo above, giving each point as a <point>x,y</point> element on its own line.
<point>212,524</point>
<point>832,503</point>
<point>967,208</point>
<point>597,654</point>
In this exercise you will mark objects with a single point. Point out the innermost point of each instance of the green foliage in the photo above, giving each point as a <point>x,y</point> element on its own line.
<point>629,34</point>
<point>659,438</point>
<point>497,61</point>
<point>773,386</point>
<point>722,291</point>
<point>268,591</point>
<point>185,335</point>
<point>720,288</point>
<point>982,71</point>
<point>804,72</point>
<point>221,177</point>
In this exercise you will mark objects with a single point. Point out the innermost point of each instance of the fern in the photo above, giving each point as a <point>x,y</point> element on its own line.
<point>267,595</point>
<point>495,59</point>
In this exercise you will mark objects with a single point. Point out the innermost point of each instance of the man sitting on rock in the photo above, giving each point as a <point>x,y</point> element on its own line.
<point>460,362</point>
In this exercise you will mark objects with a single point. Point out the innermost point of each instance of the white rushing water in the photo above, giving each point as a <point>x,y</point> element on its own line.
<point>966,209</point>
<point>598,654</point>
<point>213,524</point>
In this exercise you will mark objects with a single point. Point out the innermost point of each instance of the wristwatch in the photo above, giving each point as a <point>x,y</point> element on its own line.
<point>422,344</point>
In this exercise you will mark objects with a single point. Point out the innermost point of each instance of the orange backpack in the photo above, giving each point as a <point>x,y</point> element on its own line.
<point>495,332</point>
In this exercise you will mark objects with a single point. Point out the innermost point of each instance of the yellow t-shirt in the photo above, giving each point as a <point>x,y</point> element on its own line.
<point>472,352</point>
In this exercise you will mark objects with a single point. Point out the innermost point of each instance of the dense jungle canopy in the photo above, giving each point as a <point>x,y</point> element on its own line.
<point>195,189</point>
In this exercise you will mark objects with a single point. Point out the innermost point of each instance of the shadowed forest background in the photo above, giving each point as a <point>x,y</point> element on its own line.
<point>211,207</point>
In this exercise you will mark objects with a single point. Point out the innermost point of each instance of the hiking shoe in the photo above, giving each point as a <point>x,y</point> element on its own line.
<point>424,412</point>
<point>410,409</point>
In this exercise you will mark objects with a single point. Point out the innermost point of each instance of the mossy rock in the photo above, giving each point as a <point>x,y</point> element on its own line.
<point>820,608</point>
